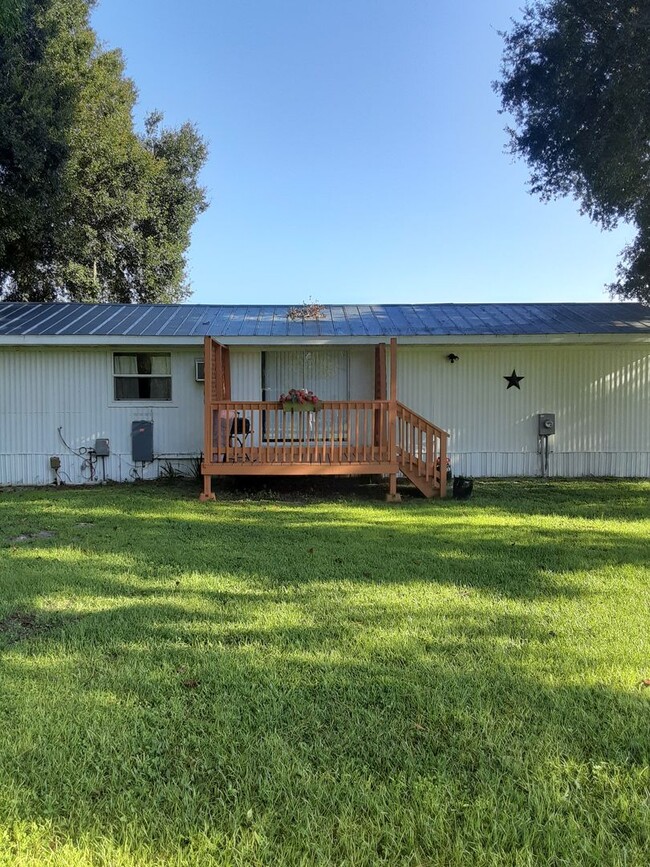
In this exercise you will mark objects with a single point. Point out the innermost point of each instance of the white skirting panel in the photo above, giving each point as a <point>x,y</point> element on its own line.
<point>504,464</point>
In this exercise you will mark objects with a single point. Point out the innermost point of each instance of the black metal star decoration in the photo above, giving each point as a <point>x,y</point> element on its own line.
<point>513,380</point>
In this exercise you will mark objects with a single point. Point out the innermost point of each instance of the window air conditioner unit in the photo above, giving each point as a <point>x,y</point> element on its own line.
<point>199,370</point>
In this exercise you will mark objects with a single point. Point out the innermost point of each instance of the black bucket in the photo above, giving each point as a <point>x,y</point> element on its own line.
<point>463,488</point>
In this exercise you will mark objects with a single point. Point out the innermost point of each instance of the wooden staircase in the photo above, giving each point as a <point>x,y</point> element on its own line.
<point>421,449</point>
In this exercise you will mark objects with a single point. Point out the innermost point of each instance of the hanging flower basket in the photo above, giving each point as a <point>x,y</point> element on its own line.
<point>299,400</point>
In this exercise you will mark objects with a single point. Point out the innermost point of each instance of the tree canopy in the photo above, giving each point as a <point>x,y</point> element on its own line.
<point>90,210</point>
<point>576,78</point>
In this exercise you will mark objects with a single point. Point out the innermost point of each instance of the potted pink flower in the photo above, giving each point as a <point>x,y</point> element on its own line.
<point>300,399</point>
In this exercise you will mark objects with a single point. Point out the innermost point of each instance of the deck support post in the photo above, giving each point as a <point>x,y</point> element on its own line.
<point>392,496</point>
<point>443,467</point>
<point>207,496</point>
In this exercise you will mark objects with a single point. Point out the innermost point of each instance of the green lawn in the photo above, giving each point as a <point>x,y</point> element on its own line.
<point>325,680</point>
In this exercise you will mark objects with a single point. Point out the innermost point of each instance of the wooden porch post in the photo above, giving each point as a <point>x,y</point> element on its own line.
<point>208,380</point>
<point>393,496</point>
<point>443,466</point>
<point>225,365</point>
<point>380,388</point>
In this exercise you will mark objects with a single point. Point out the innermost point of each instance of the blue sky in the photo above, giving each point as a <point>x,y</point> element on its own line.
<point>356,152</point>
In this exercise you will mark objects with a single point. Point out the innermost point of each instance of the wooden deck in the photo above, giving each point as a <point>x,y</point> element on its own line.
<point>380,436</point>
<point>342,438</point>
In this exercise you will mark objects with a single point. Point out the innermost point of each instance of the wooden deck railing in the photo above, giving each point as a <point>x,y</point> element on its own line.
<point>261,433</point>
<point>422,451</point>
<point>342,437</point>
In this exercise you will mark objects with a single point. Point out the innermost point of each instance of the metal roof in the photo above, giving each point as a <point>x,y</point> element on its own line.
<point>344,320</point>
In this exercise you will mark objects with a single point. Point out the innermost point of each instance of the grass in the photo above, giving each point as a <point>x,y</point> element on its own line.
<point>278,679</point>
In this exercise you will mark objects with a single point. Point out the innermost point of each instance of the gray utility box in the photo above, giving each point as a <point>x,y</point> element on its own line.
<point>142,442</point>
<point>102,447</point>
<point>546,424</point>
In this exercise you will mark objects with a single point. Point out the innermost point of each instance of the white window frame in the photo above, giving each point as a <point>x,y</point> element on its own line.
<point>139,401</point>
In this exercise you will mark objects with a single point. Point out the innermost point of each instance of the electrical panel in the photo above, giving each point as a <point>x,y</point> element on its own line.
<point>546,424</point>
<point>142,442</point>
<point>102,449</point>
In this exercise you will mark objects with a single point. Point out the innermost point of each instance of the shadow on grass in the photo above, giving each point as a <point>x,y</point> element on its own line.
<point>165,723</point>
<point>410,692</point>
<point>278,544</point>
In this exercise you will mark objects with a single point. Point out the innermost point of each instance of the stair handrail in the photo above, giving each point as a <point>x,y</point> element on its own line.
<point>401,408</point>
<point>406,414</point>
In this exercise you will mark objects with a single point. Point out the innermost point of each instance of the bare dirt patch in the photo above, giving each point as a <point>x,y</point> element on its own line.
<point>20,625</point>
<point>30,537</point>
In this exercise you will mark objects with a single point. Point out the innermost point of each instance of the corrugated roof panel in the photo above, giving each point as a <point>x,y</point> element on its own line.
<point>500,319</point>
<point>397,323</point>
<point>469,320</point>
<point>383,319</point>
<point>12,314</point>
<point>111,313</point>
<point>36,316</point>
<point>378,320</point>
<point>231,327</point>
<point>529,322</point>
<point>57,320</point>
<point>265,323</point>
<point>82,316</point>
<point>355,320</point>
<point>139,317</point>
<point>519,320</point>
<point>593,319</point>
<point>437,324</point>
<point>260,321</point>
<point>326,324</point>
<point>249,320</point>
<point>280,327</point>
<point>83,322</point>
<point>205,320</point>
<point>13,323</point>
<point>178,315</point>
<point>535,319</point>
<point>155,323</point>
<point>340,320</point>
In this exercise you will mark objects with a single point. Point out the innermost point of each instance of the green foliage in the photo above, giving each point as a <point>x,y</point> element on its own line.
<point>89,209</point>
<point>325,681</point>
<point>576,78</point>
<point>36,108</point>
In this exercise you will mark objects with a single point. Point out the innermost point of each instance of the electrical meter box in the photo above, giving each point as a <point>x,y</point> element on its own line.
<point>546,424</point>
<point>102,449</point>
<point>142,442</point>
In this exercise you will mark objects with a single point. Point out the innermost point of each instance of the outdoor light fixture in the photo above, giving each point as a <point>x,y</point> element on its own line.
<point>451,358</point>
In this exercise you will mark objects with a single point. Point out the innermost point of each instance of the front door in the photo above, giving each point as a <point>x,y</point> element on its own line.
<point>326,372</point>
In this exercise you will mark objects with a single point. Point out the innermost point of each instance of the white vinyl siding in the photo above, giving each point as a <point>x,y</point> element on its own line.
<point>600,394</point>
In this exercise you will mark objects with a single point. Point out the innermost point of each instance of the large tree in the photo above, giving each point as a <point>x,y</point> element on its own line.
<point>576,79</point>
<point>89,209</point>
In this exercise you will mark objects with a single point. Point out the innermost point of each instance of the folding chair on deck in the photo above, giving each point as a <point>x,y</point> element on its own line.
<point>239,431</point>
